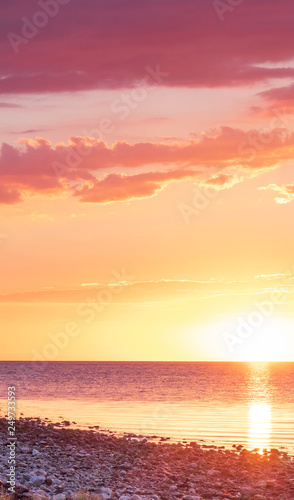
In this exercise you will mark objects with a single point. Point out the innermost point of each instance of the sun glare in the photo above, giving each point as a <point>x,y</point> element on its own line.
<point>260,425</point>
<point>267,343</point>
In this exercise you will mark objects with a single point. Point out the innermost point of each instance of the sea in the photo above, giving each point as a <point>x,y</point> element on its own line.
<point>214,404</point>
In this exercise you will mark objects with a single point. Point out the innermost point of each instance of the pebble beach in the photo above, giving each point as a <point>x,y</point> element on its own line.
<point>55,461</point>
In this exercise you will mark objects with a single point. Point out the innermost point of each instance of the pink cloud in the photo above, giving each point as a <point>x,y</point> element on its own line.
<point>37,167</point>
<point>9,105</point>
<point>281,98</point>
<point>109,44</point>
<point>9,196</point>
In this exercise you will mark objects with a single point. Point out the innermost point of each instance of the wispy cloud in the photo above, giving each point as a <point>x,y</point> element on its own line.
<point>164,289</point>
<point>9,105</point>
<point>30,131</point>
<point>286,192</point>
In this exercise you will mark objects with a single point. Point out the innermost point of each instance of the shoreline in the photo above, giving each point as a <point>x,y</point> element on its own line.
<point>56,462</point>
<point>179,421</point>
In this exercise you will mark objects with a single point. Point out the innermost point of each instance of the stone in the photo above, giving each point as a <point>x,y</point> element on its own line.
<point>246,492</point>
<point>271,483</point>
<point>85,465</point>
<point>192,465</point>
<point>19,489</point>
<point>211,472</point>
<point>126,465</point>
<point>261,484</point>
<point>40,495</point>
<point>25,449</point>
<point>37,480</point>
<point>106,491</point>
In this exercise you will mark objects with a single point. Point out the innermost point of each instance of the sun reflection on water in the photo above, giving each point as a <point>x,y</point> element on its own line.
<point>260,408</point>
<point>259,426</point>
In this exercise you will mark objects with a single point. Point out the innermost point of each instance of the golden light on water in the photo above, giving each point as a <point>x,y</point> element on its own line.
<point>260,408</point>
<point>259,426</point>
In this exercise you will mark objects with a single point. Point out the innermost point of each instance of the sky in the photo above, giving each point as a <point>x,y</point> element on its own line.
<point>146,180</point>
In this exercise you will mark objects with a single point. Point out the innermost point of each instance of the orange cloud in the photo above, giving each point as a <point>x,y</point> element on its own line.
<point>117,187</point>
<point>36,167</point>
<point>286,192</point>
<point>222,181</point>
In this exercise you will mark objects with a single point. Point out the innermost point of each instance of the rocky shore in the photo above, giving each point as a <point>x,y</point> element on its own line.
<point>56,462</point>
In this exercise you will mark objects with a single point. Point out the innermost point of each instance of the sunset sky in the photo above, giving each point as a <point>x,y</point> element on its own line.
<point>146,180</point>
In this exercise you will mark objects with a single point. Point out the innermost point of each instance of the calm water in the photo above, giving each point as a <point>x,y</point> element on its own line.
<point>220,403</point>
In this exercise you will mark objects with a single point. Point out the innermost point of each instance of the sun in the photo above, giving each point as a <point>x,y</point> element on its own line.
<point>269,342</point>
